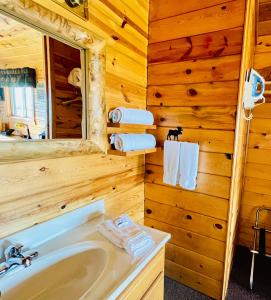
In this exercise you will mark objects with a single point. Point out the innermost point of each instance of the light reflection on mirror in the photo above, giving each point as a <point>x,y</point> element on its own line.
<point>40,85</point>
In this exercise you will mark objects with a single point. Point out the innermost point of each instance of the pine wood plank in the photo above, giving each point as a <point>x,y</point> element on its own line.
<point>109,21</point>
<point>131,153</point>
<point>260,156</point>
<point>256,185</point>
<point>263,112</point>
<point>265,11</point>
<point>192,241</point>
<point>121,92</point>
<point>132,15</point>
<point>219,17</point>
<point>263,44</point>
<point>264,28</point>
<point>211,163</point>
<point>209,140</point>
<point>185,219</point>
<point>195,202</point>
<point>194,94</point>
<point>260,126</point>
<point>187,72</point>
<point>195,262</point>
<point>142,283</point>
<point>156,290</point>
<point>208,45</point>
<point>258,171</point>
<point>260,141</point>
<point>220,185</point>
<point>194,280</point>
<point>160,9</point>
<point>214,117</point>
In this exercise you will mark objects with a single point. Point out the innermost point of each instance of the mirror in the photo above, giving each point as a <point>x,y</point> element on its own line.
<point>40,85</point>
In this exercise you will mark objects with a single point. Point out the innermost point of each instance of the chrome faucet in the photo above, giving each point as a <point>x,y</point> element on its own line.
<point>14,257</point>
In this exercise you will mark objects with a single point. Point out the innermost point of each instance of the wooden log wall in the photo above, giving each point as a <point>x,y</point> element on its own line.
<point>194,63</point>
<point>35,191</point>
<point>257,183</point>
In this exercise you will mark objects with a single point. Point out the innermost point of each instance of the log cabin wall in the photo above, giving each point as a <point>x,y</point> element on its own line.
<point>37,190</point>
<point>193,76</point>
<point>257,184</point>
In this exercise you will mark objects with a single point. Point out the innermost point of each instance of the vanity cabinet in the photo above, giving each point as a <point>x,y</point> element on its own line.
<point>149,284</point>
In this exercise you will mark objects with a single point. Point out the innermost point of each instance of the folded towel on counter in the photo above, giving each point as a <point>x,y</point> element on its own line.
<point>171,162</point>
<point>131,116</point>
<point>129,142</point>
<point>125,234</point>
<point>181,164</point>
<point>189,156</point>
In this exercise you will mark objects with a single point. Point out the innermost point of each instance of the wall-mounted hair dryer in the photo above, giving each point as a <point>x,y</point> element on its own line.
<point>253,92</point>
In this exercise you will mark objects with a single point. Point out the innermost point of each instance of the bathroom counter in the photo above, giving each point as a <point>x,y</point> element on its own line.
<point>119,272</point>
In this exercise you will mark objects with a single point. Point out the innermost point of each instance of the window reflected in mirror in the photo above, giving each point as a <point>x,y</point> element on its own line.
<point>40,85</point>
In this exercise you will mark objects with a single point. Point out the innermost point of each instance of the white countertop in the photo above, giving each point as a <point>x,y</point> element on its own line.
<point>120,269</point>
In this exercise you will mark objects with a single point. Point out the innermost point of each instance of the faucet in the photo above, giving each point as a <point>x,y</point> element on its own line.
<point>14,257</point>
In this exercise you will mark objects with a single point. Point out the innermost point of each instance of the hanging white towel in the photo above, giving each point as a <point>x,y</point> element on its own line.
<point>131,116</point>
<point>171,162</point>
<point>189,156</point>
<point>129,142</point>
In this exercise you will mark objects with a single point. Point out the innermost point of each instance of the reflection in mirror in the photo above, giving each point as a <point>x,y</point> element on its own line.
<point>40,85</point>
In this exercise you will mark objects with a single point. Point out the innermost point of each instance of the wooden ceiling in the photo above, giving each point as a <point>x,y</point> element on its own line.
<point>20,46</point>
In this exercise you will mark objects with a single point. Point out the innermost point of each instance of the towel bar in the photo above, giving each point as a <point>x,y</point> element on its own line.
<point>260,251</point>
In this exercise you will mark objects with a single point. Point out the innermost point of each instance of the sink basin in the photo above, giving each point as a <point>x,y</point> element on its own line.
<point>68,273</point>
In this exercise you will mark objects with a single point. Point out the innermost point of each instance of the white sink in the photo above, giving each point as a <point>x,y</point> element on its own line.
<point>75,261</point>
<point>68,273</point>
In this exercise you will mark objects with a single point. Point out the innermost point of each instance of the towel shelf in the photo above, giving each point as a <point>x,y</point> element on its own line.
<point>131,153</point>
<point>119,127</point>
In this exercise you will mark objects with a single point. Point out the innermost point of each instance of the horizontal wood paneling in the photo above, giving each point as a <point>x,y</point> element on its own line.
<point>214,117</point>
<point>194,261</point>
<point>185,219</point>
<point>211,163</point>
<point>43,189</point>
<point>196,71</point>
<point>257,185</point>
<point>197,281</point>
<point>189,240</point>
<point>208,45</point>
<point>220,185</point>
<point>193,82</point>
<point>209,140</point>
<point>227,15</point>
<point>194,94</point>
<point>160,9</point>
<point>195,202</point>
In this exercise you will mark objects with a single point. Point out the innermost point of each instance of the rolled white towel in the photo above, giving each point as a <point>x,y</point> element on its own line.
<point>129,142</point>
<point>75,77</point>
<point>131,116</point>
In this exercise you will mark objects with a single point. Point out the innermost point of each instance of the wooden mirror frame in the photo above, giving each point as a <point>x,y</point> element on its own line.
<point>59,27</point>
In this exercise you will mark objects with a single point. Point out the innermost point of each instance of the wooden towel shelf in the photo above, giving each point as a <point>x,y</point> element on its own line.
<point>131,153</point>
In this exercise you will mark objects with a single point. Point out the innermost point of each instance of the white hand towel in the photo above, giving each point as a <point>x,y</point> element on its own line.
<point>129,142</point>
<point>189,156</point>
<point>125,234</point>
<point>171,162</point>
<point>131,116</point>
